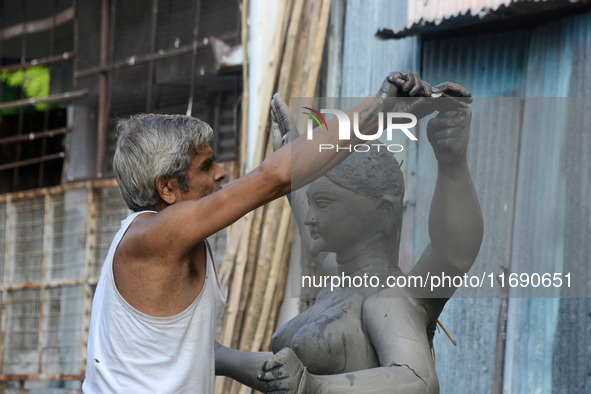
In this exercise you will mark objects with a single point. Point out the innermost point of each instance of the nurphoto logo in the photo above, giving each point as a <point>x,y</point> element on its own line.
<point>395,121</point>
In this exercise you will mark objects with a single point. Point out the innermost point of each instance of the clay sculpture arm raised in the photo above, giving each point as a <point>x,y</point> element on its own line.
<point>455,218</point>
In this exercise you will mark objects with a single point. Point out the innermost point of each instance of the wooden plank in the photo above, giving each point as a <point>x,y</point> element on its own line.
<point>271,290</point>
<point>263,267</point>
<point>235,294</point>
<point>287,60</point>
<point>268,88</point>
<point>311,69</point>
<point>245,90</point>
<point>279,294</point>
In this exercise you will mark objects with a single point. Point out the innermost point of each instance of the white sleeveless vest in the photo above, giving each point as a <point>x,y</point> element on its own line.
<point>131,352</point>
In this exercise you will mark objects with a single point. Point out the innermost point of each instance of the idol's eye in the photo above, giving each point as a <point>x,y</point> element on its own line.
<point>323,203</point>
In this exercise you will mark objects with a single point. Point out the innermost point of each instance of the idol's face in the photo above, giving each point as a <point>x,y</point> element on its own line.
<point>337,217</point>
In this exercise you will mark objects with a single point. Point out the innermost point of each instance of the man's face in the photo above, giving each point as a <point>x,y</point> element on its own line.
<point>204,176</point>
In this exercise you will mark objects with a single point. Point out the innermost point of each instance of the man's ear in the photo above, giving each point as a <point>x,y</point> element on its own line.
<point>166,187</point>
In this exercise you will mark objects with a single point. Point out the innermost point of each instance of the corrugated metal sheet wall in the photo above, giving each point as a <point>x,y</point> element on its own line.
<point>533,186</point>
<point>548,345</point>
<point>366,60</point>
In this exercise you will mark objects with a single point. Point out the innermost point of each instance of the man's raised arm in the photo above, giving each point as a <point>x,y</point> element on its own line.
<point>187,223</point>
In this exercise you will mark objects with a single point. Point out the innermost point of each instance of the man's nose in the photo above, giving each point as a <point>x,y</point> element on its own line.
<point>220,174</point>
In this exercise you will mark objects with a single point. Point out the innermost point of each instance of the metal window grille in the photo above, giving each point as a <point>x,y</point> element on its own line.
<point>52,244</point>
<point>154,56</point>
<point>36,52</point>
<point>110,58</point>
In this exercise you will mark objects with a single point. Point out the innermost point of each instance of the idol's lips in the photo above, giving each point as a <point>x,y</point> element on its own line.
<point>314,234</point>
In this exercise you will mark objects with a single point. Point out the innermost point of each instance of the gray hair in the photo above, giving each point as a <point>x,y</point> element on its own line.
<point>151,146</point>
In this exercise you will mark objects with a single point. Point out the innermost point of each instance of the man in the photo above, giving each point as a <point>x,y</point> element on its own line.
<point>152,323</point>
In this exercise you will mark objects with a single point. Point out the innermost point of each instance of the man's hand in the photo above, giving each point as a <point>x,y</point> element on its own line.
<point>448,133</point>
<point>283,128</point>
<point>401,84</point>
<point>410,84</point>
<point>451,89</point>
<point>284,373</point>
<point>421,96</point>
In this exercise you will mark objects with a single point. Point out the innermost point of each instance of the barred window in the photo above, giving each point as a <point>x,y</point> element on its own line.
<point>153,57</point>
<point>51,249</point>
<point>36,55</point>
<point>69,69</point>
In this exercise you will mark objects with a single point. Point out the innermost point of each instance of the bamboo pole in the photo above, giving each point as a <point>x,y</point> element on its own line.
<point>280,293</point>
<point>247,276</point>
<point>270,289</point>
<point>267,89</point>
<point>315,47</point>
<point>234,297</point>
<point>269,238</point>
<point>291,41</point>
<point>227,266</point>
<point>300,52</point>
<point>268,231</point>
<point>254,240</point>
<point>245,93</point>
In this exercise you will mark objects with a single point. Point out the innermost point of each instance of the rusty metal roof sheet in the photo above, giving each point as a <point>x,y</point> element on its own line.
<point>429,16</point>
